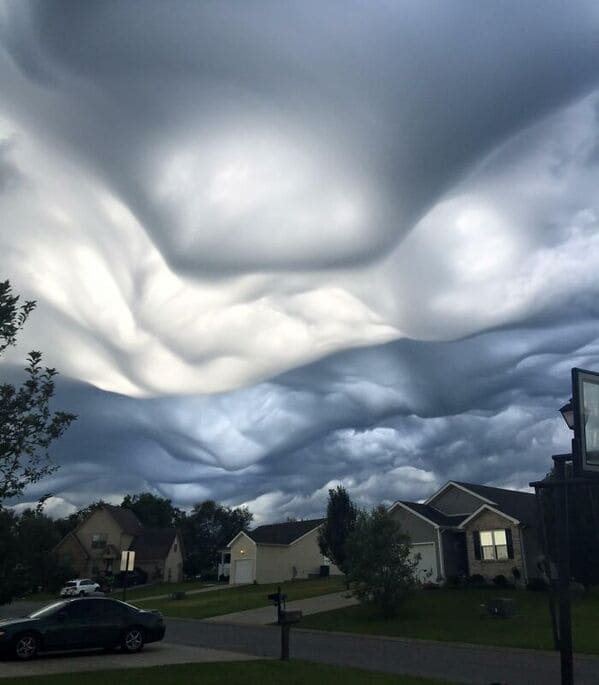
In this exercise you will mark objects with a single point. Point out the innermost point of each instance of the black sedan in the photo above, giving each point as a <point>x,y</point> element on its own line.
<point>81,624</point>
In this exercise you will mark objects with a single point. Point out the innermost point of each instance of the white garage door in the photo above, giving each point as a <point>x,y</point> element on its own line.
<point>243,571</point>
<point>426,570</point>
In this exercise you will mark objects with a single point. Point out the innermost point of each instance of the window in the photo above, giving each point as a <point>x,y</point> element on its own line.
<point>493,545</point>
<point>99,540</point>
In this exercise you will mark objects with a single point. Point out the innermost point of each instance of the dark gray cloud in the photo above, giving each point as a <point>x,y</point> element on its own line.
<point>315,243</point>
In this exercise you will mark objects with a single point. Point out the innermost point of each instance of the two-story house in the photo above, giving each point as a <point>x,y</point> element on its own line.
<point>94,547</point>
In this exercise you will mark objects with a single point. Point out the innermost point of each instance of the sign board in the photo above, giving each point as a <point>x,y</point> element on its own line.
<point>585,403</point>
<point>127,561</point>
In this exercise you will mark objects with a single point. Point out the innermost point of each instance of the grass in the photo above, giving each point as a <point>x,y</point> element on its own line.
<point>453,615</point>
<point>236,673</point>
<point>158,589</point>
<point>227,601</point>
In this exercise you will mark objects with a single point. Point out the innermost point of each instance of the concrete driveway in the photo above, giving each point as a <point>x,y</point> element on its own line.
<point>155,654</point>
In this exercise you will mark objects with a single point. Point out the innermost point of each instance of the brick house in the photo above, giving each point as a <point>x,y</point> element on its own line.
<point>466,529</point>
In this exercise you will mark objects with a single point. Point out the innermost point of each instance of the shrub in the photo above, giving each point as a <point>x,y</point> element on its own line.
<point>536,584</point>
<point>454,581</point>
<point>476,580</point>
<point>500,581</point>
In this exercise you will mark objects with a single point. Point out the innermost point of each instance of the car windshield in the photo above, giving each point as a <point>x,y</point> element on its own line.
<point>45,611</point>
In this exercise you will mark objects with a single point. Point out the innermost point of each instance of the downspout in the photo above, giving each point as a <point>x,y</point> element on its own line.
<point>524,567</point>
<point>440,545</point>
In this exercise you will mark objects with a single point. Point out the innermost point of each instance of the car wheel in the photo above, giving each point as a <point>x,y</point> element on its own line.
<point>26,647</point>
<point>133,640</point>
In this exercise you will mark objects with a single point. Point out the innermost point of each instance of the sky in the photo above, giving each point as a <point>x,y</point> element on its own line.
<point>277,247</point>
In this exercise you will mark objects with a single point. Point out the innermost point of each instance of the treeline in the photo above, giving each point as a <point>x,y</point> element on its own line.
<point>28,538</point>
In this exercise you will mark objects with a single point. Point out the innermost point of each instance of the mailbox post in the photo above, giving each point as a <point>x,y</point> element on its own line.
<point>285,619</point>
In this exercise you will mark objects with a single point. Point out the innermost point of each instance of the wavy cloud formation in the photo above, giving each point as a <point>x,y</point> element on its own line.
<point>276,250</point>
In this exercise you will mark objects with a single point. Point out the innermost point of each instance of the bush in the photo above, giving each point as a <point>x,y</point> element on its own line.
<point>381,569</point>
<point>476,580</point>
<point>537,585</point>
<point>454,581</point>
<point>500,581</point>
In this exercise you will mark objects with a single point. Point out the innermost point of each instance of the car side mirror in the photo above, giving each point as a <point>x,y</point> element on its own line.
<point>62,616</point>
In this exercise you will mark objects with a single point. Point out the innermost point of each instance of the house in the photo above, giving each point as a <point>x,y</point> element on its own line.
<point>94,547</point>
<point>466,529</point>
<point>278,552</point>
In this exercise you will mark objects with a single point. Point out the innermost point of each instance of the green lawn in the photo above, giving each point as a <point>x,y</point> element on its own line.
<point>236,673</point>
<point>457,616</point>
<point>158,589</point>
<point>227,601</point>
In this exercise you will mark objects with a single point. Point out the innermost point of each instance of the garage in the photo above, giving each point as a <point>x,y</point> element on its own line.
<point>243,571</point>
<point>427,570</point>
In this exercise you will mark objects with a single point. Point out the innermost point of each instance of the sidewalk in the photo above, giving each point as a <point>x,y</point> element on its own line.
<point>266,615</point>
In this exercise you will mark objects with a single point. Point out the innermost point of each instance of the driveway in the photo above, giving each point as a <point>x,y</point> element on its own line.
<point>460,663</point>
<point>155,654</point>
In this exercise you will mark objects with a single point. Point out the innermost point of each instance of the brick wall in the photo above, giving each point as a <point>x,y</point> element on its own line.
<point>488,520</point>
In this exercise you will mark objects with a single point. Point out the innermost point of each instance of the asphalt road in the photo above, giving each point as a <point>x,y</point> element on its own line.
<point>459,663</point>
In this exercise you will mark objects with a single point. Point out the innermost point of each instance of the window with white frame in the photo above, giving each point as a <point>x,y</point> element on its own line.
<point>493,545</point>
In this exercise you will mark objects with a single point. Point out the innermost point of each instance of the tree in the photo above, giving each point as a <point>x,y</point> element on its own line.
<point>208,528</point>
<point>27,426</point>
<point>153,511</point>
<point>341,519</point>
<point>382,572</point>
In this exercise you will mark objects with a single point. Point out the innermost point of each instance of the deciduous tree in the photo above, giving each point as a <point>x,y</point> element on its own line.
<point>382,572</point>
<point>27,425</point>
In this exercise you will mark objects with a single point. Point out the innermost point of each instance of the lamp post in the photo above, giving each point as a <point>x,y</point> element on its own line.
<point>560,482</point>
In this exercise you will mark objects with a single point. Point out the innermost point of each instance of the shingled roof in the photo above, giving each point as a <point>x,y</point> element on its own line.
<point>153,543</point>
<point>519,505</point>
<point>126,518</point>
<point>435,515</point>
<point>283,533</point>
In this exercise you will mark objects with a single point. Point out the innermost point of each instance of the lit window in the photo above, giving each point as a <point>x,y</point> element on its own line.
<point>493,545</point>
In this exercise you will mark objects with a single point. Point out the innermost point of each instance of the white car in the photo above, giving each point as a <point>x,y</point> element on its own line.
<point>79,587</point>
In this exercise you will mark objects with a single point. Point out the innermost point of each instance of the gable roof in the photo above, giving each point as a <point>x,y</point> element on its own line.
<point>433,515</point>
<point>153,543</point>
<point>126,519</point>
<point>518,505</point>
<point>488,507</point>
<point>283,533</point>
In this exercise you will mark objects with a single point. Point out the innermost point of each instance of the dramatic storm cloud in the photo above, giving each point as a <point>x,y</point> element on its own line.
<point>280,246</point>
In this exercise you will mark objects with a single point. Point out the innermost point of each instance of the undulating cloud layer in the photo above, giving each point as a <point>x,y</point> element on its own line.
<point>277,250</point>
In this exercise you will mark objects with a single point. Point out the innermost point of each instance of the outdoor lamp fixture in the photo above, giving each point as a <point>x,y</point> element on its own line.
<point>567,412</point>
<point>242,551</point>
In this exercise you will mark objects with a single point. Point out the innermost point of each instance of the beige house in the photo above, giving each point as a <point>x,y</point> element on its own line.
<point>278,552</point>
<point>467,529</point>
<point>94,548</point>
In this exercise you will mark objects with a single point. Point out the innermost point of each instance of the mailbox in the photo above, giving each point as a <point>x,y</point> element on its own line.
<point>289,617</point>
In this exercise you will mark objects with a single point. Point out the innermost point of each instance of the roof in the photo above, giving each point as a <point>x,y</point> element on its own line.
<point>126,518</point>
<point>434,515</point>
<point>283,533</point>
<point>519,505</point>
<point>153,543</point>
